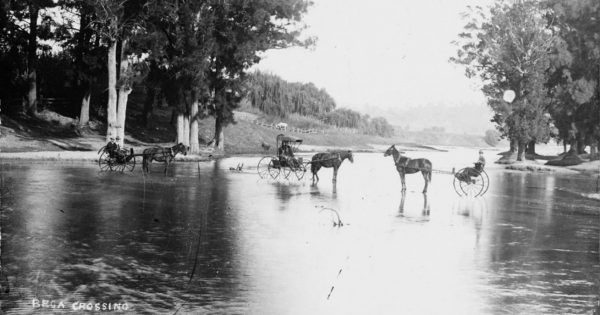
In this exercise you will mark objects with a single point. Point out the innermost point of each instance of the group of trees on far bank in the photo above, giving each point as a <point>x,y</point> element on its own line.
<point>194,54</point>
<point>275,96</point>
<point>548,54</point>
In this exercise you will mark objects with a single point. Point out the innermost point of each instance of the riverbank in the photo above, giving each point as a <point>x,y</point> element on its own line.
<point>51,136</point>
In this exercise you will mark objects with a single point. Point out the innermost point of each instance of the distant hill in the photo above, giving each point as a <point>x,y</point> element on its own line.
<point>473,119</point>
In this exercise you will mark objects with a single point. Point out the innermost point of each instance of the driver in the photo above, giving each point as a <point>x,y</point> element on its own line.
<point>112,147</point>
<point>285,151</point>
<point>480,164</point>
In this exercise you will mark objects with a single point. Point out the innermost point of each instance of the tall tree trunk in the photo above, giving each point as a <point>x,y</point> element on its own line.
<point>593,149</point>
<point>148,105</point>
<point>123,96</point>
<point>194,144</point>
<point>581,146</point>
<point>186,130</point>
<point>180,127</point>
<point>111,108</point>
<point>531,147</point>
<point>219,134</point>
<point>174,117</point>
<point>573,146</point>
<point>32,60</point>
<point>124,92</point>
<point>84,114</point>
<point>564,142</point>
<point>513,145</point>
<point>520,151</point>
<point>84,84</point>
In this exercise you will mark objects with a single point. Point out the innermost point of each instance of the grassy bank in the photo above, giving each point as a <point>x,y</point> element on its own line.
<point>50,132</point>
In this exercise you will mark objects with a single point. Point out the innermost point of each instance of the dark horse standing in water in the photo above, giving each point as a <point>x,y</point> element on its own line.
<point>329,159</point>
<point>406,165</point>
<point>160,154</point>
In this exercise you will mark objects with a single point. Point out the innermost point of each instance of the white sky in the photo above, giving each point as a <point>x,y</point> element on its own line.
<point>386,53</point>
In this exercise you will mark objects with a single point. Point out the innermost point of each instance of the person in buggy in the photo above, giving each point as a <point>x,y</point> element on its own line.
<point>480,164</point>
<point>115,151</point>
<point>469,174</point>
<point>285,152</point>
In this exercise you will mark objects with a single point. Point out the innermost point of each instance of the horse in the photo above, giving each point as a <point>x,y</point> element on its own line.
<point>162,154</point>
<point>406,165</point>
<point>329,159</point>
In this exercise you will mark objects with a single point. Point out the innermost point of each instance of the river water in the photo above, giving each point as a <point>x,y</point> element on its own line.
<point>205,239</point>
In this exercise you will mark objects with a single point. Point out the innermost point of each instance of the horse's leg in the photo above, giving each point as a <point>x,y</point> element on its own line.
<point>315,169</point>
<point>403,179</point>
<point>166,166</point>
<point>147,162</point>
<point>335,171</point>
<point>401,207</point>
<point>426,177</point>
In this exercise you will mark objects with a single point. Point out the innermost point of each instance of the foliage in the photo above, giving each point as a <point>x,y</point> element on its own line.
<point>275,96</point>
<point>576,70</point>
<point>509,48</point>
<point>492,137</point>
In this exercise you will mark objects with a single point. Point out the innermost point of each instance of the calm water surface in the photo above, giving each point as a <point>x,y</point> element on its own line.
<point>208,240</point>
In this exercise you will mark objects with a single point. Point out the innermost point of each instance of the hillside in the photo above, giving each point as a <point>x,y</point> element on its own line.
<point>52,132</point>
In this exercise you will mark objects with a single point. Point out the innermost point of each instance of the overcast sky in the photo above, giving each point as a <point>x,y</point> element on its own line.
<point>387,53</point>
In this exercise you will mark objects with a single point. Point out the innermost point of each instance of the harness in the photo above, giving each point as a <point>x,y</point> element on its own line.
<point>397,161</point>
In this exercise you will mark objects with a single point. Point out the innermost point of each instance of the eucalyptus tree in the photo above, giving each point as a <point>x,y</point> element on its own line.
<point>576,72</point>
<point>180,41</point>
<point>509,48</point>
<point>119,23</point>
<point>241,30</point>
<point>23,24</point>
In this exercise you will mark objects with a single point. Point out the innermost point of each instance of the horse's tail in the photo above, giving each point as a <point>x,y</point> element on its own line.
<point>430,171</point>
<point>313,168</point>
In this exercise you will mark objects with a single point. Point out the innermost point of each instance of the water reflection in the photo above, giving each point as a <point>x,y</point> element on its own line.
<point>425,210</point>
<point>206,240</point>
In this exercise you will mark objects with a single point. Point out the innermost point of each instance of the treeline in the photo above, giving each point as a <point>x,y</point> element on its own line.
<point>275,96</point>
<point>191,54</point>
<point>539,62</point>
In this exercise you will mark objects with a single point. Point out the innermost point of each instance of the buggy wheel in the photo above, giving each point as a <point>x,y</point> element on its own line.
<point>130,163</point>
<point>287,171</point>
<point>119,167</point>
<point>274,168</point>
<point>104,162</point>
<point>486,182</point>
<point>473,183</point>
<point>263,167</point>
<point>300,171</point>
<point>456,185</point>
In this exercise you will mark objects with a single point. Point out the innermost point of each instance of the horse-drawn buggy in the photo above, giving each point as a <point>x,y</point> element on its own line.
<point>284,163</point>
<point>114,158</point>
<point>119,159</point>
<point>469,181</point>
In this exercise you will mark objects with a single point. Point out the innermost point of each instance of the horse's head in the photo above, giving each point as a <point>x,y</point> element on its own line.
<point>180,147</point>
<point>350,156</point>
<point>390,150</point>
